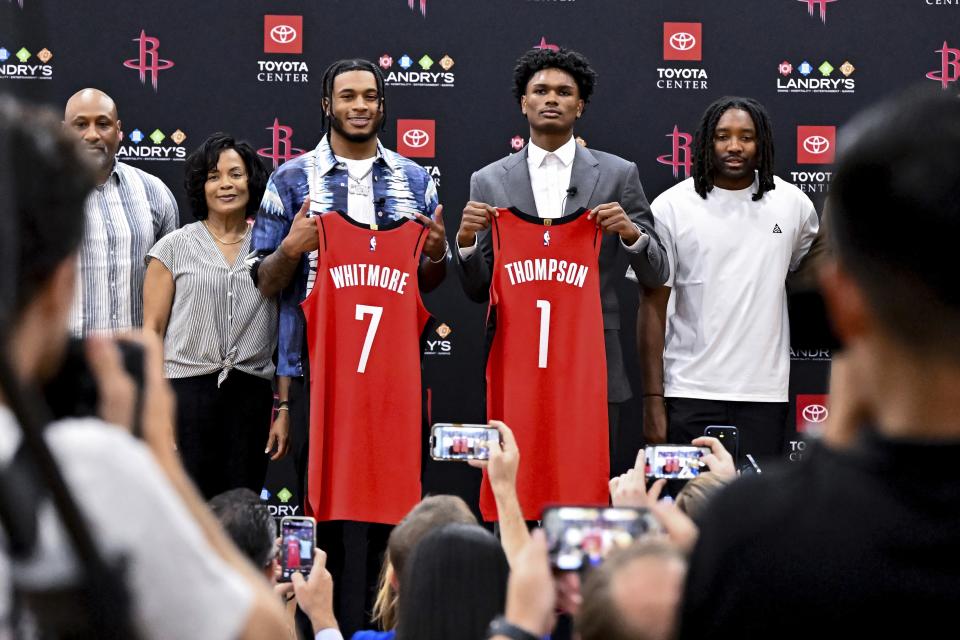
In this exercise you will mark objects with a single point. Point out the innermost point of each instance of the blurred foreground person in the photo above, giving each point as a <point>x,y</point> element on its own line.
<point>866,535</point>
<point>183,577</point>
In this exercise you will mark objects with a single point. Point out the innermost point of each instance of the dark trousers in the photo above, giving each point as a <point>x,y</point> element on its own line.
<point>221,432</point>
<point>355,550</point>
<point>761,426</point>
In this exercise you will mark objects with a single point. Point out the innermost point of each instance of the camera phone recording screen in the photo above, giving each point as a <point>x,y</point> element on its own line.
<point>584,536</point>
<point>463,443</point>
<point>296,547</point>
<point>682,462</point>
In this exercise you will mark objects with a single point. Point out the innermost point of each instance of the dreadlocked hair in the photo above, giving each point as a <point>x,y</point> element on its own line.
<point>566,60</point>
<point>703,144</point>
<point>343,66</point>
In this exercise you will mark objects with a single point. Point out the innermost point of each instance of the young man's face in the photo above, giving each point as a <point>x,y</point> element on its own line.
<point>552,101</point>
<point>734,150</point>
<point>354,108</point>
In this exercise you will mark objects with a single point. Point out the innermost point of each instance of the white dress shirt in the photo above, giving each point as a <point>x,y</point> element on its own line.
<point>550,177</point>
<point>550,181</point>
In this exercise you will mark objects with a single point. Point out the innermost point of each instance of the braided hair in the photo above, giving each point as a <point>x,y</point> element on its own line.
<point>703,155</point>
<point>343,66</point>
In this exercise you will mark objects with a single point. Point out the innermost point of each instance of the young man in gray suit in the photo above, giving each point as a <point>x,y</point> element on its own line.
<point>553,176</point>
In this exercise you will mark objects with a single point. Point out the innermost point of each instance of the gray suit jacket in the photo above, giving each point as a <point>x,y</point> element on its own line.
<point>599,178</point>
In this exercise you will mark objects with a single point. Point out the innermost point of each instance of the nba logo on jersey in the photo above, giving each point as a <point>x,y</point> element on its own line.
<point>546,238</point>
<point>373,243</point>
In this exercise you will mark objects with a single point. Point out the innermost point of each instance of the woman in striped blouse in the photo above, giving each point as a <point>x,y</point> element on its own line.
<point>219,332</point>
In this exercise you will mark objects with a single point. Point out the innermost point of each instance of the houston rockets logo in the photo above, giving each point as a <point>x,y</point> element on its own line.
<point>822,4</point>
<point>282,149</point>
<point>546,45</point>
<point>423,6</point>
<point>949,66</point>
<point>149,60</point>
<point>680,153</point>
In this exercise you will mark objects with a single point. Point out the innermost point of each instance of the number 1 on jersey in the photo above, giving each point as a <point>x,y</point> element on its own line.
<point>374,313</point>
<point>544,306</point>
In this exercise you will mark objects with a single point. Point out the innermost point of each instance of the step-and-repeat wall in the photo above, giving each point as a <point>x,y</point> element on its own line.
<point>180,70</point>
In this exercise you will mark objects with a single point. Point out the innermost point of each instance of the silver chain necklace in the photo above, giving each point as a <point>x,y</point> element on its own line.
<point>356,186</point>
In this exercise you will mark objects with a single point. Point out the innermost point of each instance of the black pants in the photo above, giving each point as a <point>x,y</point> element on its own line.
<point>221,432</point>
<point>761,426</point>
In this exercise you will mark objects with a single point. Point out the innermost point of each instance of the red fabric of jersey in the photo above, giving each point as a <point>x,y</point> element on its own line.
<point>546,370</point>
<point>365,319</point>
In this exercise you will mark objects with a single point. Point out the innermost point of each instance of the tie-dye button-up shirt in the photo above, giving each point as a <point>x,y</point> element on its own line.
<point>401,189</point>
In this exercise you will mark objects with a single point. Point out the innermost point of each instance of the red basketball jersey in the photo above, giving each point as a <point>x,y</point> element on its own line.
<point>364,322</point>
<point>547,368</point>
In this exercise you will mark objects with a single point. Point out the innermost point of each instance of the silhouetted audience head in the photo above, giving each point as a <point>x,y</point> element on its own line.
<point>251,527</point>
<point>454,584</point>
<point>634,595</point>
<point>430,513</point>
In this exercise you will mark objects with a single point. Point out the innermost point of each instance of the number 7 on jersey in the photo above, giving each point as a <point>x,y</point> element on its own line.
<point>375,313</point>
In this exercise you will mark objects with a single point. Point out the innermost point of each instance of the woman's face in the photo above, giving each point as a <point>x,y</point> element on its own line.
<point>226,187</point>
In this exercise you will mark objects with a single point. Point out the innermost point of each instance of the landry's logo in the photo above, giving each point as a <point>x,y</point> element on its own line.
<point>25,65</point>
<point>823,79</point>
<point>820,5</point>
<point>282,148</point>
<point>283,34</point>
<point>949,71</point>
<point>679,156</point>
<point>438,343</point>
<point>431,73</point>
<point>816,145</point>
<point>682,42</point>
<point>147,145</point>
<point>416,138</point>
<point>149,63</point>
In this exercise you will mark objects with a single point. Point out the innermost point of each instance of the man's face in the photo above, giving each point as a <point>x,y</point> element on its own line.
<point>92,117</point>
<point>552,101</point>
<point>734,150</point>
<point>354,110</point>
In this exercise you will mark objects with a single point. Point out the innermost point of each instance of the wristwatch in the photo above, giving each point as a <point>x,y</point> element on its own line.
<point>500,627</point>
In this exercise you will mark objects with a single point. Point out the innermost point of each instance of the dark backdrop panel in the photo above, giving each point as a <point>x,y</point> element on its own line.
<point>211,56</point>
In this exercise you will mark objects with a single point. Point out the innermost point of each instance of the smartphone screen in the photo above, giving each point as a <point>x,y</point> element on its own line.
<point>583,536</point>
<point>462,441</point>
<point>297,539</point>
<point>674,461</point>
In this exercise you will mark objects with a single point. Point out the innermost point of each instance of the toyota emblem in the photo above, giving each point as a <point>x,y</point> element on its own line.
<point>416,138</point>
<point>815,413</point>
<point>682,41</point>
<point>816,145</point>
<point>283,34</point>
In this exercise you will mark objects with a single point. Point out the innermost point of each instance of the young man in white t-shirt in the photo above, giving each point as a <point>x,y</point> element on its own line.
<point>716,351</point>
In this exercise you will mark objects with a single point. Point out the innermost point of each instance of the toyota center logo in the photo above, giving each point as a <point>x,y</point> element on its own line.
<point>812,411</point>
<point>283,34</point>
<point>815,413</point>
<point>682,40</point>
<point>416,138</point>
<point>816,145</point>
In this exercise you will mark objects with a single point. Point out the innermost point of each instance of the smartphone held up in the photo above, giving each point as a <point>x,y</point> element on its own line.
<point>579,537</point>
<point>455,441</point>
<point>297,541</point>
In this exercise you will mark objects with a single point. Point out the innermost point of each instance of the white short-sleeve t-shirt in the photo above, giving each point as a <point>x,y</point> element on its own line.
<point>727,328</point>
<point>179,587</point>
